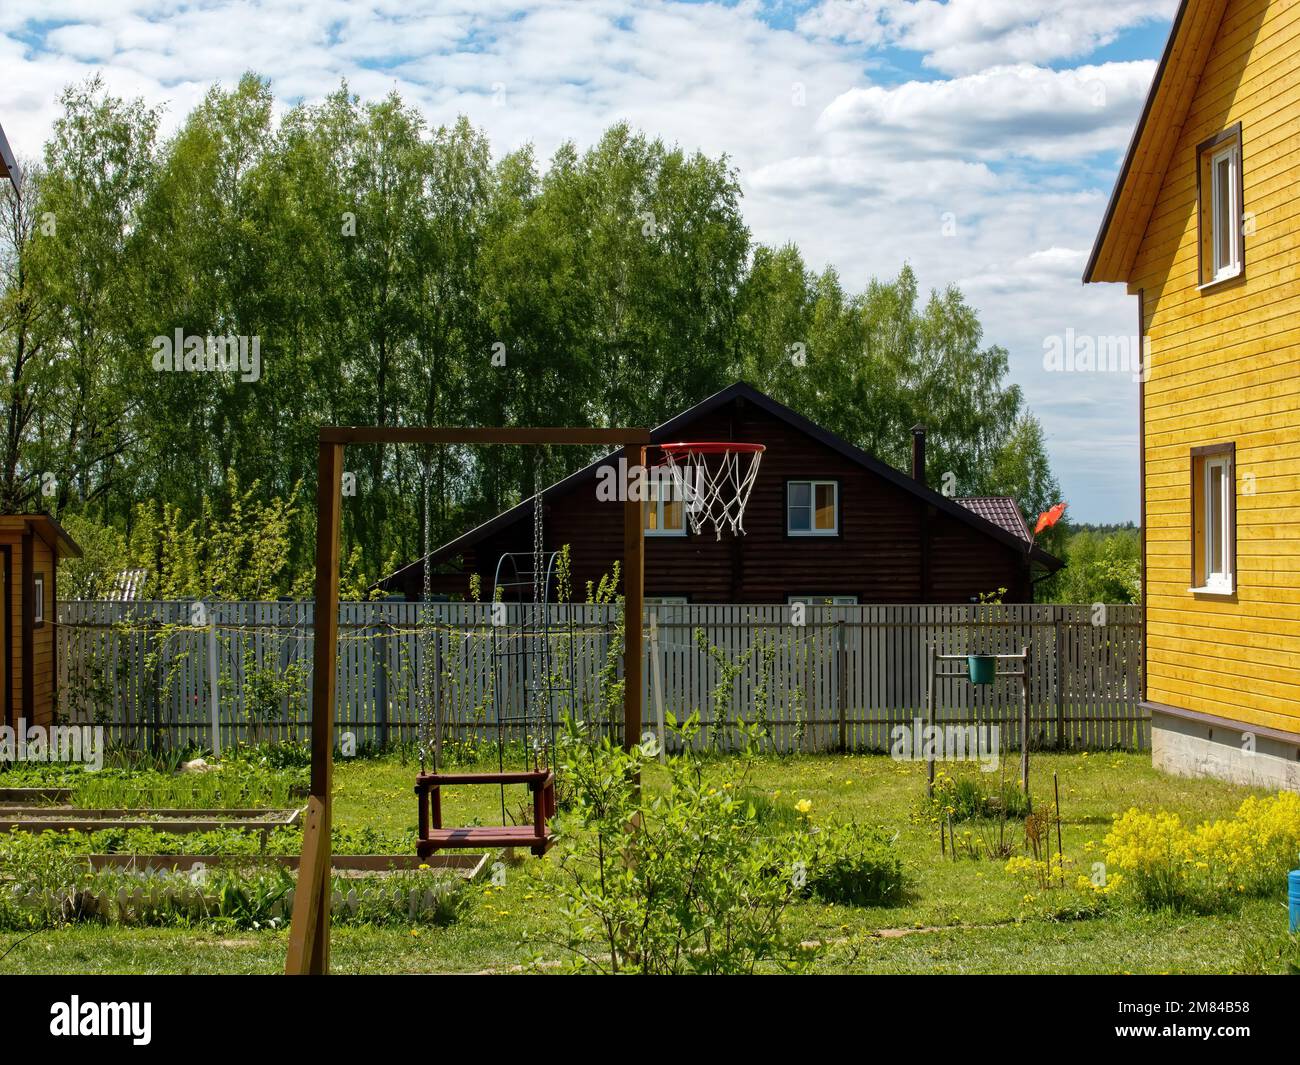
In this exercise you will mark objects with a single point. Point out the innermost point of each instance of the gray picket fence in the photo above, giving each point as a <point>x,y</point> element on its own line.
<point>211,675</point>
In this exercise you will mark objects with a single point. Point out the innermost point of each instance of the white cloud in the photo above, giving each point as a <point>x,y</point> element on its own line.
<point>1016,110</point>
<point>82,42</point>
<point>964,36</point>
<point>989,179</point>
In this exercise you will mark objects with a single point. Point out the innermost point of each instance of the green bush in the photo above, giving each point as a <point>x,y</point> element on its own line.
<point>855,865</point>
<point>970,798</point>
<point>677,879</point>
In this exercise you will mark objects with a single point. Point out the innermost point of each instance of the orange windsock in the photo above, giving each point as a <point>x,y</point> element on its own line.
<point>1048,518</point>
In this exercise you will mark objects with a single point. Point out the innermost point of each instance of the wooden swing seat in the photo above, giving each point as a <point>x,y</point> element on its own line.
<point>537,837</point>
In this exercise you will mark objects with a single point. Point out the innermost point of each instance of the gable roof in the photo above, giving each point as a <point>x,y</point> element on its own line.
<point>672,429</point>
<point>1002,511</point>
<point>49,530</point>
<point>1154,139</point>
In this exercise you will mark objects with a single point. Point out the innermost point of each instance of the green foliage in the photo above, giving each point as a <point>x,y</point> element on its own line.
<point>242,787</point>
<point>103,557</point>
<point>1276,955</point>
<point>49,884</point>
<point>1101,566</point>
<point>381,264</point>
<point>674,881</point>
<point>973,797</point>
<point>855,865</point>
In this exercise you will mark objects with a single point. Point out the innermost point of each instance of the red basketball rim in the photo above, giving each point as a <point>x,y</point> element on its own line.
<point>711,447</point>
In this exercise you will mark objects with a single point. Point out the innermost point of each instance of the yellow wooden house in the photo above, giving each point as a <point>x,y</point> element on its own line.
<point>1204,228</point>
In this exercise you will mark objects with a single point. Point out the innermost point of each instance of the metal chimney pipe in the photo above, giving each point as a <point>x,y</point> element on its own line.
<point>918,453</point>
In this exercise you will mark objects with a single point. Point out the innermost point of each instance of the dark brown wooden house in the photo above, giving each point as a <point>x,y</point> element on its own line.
<point>825,520</point>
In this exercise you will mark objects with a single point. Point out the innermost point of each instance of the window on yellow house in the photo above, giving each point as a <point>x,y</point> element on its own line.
<point>1214,518</point>
<point>1222,206</point>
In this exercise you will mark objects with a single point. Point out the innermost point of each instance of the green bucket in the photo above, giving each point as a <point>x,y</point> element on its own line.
<point>982,668</point>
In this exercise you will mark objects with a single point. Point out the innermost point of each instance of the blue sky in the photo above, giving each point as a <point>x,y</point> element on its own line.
<point>976,140</point>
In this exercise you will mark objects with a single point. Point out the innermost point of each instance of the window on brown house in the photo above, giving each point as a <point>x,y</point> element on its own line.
<point>1221,214</point>
<point>1214,519</point>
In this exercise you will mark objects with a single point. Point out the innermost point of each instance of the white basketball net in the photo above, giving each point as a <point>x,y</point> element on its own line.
<point>714,485</point>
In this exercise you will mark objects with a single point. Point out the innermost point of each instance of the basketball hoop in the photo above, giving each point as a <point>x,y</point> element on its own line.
<point>714,479</point>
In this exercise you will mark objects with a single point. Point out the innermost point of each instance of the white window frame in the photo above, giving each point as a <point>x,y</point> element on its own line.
<point>1218,578</point>
<point>666,600</point>
<point>1231,265</point>
<point>655,483</point>
<point>813,485</point>
<point>38,594</point>
<point>822,600</point>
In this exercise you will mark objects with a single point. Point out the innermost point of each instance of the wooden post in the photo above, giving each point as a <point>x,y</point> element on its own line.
<point>380,637</point>
<point>437,698</point>
<point>309,930</point>
<point>214,685</point>
<point>842,683</point>
<point>309,938</point>
<point>929,716</point>
<point>1024,721</point>
<point>633,601</point>
<point>1060,679</point>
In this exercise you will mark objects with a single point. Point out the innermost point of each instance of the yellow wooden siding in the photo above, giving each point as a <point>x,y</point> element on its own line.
<point>1187,56</point>
<point>1226,367</point>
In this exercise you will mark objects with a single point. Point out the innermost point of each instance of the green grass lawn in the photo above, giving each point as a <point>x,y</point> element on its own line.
<point>967,916</point>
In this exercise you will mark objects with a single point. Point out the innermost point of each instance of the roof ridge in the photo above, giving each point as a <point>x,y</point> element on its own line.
<point>742,389</point>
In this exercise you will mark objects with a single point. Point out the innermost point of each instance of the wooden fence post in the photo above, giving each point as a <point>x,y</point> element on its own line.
<point>842,683</point>
<point>1024,721</point>
<point>1060,677</point>
<point>929,720</point>
<point>214,683</point>
<point>381,680</point>
<point>656,678</point>
<point>439,726</point>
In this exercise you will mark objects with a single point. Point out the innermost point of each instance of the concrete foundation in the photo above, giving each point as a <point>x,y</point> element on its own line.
<point>1194,748</point>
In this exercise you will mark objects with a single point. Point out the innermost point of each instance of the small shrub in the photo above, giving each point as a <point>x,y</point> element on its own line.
<point>1056,892</point>
<point>969,798</point>
<point>855,865</point>
<point>675,880</point>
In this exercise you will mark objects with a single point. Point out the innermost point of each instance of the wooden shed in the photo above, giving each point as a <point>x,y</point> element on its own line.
<point>30,548</point>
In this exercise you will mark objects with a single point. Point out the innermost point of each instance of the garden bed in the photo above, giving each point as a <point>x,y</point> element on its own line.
<point>39,819</point>
<point>32,796</point>
<point>466,865</point>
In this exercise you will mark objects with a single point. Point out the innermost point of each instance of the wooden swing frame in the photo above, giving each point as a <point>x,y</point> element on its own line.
<point>309,930</point>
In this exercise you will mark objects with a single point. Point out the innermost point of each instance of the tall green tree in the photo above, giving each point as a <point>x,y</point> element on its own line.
<point>394,273</point>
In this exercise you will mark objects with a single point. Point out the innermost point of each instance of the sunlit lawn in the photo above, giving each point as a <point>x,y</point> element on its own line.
<point>963,916</point>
